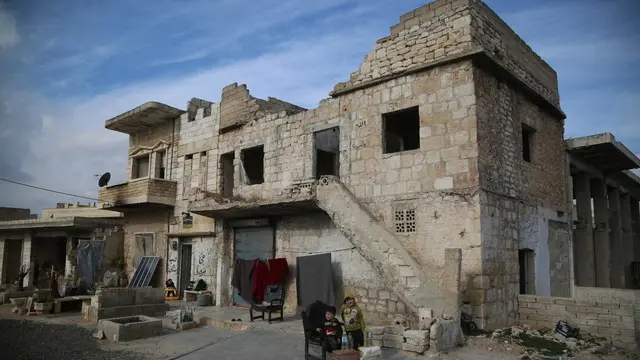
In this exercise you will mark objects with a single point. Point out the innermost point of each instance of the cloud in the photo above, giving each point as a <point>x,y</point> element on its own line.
<point>67,143</point>
<point>82,73</point>
<point>8,29</point>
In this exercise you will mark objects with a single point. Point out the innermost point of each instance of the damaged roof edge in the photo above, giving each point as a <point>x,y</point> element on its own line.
<point>132,120</point>
<point>575,144</point>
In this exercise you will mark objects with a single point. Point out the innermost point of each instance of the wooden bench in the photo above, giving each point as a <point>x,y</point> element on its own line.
<point>191,295</point>
<point>83,300</point>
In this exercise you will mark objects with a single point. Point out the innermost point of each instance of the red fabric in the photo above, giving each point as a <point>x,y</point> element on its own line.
<point>278,270</point>
<point>260,280</point>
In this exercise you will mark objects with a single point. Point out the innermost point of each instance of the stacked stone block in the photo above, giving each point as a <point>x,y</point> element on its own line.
<point>400,337</point>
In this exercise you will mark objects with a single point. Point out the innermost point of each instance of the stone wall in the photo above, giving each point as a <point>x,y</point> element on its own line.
<point>511,186</point>
<point>611,319</point>
<point>445,29</point>
<point>237,106</point>
<point>147,221</point>
<point>313,234</point>
<point>439,177</point>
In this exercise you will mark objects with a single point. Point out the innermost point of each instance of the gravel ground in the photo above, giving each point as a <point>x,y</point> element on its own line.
<point>32,340</point>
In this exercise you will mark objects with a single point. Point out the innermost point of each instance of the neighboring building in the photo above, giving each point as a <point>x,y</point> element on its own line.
<point>45,242</point>
<point>7,214</point>
<point>607,212</point>
<point>448,137</point>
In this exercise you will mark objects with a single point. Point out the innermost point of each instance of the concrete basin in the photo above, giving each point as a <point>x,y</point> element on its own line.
<point>130,328</point>
<point>20,305</point>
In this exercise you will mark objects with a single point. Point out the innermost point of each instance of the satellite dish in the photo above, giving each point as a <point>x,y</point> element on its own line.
<point>104,179</point>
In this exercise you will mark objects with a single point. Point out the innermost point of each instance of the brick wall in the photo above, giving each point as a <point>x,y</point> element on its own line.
<point>609,319</point>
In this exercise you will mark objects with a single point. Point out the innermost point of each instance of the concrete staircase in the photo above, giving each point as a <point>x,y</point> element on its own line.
<point>398,269</point>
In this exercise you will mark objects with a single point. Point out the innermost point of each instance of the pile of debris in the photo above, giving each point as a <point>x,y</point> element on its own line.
<point>541,344</point>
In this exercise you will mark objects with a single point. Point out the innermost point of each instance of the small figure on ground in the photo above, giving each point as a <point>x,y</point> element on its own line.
<point>170,288</point>
<point>353,321</point>
<point>331,331</point>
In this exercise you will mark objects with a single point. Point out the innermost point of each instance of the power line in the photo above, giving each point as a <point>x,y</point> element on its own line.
<point>49,190</point>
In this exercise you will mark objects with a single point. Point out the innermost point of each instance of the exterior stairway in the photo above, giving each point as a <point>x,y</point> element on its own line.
<point>398,269</point>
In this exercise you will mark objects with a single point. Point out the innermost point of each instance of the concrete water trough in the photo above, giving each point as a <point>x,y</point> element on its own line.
<point>130,328</point>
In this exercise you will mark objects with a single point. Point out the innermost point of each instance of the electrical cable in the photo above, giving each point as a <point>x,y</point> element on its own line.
<point>49,190</point>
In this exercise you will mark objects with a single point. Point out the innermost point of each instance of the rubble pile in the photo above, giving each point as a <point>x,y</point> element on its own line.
<point>542,344</point>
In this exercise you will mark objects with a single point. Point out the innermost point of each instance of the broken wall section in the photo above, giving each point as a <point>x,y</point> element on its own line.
<point>238,107</point>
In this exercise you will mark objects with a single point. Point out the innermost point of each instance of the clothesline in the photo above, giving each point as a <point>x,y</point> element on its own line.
<point>299,251</point>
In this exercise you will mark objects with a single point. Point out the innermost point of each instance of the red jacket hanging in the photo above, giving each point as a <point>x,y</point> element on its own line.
<point>260,280</point>
<point>278,270</point>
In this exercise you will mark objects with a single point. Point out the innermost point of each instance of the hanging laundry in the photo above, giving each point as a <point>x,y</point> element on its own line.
<point>278,270</point>
<point>260,280</point>
<point>242,279</point>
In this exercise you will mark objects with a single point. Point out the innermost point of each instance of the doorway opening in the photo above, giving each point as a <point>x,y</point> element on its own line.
<point>47,252</point>
<point>185,266</point>
<point>327,152</point>
<point>252,243</point>
<point>11,260</point>
<point>226,166</point>
<point>526,264</point>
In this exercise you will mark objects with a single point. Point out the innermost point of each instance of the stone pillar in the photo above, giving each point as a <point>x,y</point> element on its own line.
<point>601,233</point>
<point>2,263</point>
<point>26,259</point>
<point>583,250</point>
<point>627,239</point>
<point>635,225</point>
<point>615,239</point>
<point>68,266</point>
<point>224,292</point>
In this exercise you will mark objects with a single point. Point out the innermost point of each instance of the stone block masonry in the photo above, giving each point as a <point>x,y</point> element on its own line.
<point>608,319</point>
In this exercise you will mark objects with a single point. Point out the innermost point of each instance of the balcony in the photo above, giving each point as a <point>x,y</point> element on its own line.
<point>298,198</point>
<point>139,193</point>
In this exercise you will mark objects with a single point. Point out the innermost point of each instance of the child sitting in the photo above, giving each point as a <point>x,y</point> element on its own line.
<point>353,321</point>
<point>331,331</point>
<point>170,288</point>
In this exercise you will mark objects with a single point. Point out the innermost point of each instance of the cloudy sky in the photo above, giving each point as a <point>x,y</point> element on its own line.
<point>66,66</point>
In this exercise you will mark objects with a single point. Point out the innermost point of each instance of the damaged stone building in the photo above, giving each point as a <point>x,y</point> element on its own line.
<point>426,175</point>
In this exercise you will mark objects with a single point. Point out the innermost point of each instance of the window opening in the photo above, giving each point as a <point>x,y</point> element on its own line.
<point>327,152</point>
<point>141,167</point>
<point>253,164</point>
<point>227,169</point>
<point>401,130</point>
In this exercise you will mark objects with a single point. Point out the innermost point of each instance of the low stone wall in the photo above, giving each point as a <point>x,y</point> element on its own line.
<point>612,320</point>
<point>121,302</point>
<point>6,296</point>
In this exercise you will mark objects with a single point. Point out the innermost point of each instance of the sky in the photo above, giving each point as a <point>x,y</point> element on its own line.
<point>67,66</point>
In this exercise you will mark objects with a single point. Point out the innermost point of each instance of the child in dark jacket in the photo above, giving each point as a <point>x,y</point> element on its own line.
<point>331,331</point>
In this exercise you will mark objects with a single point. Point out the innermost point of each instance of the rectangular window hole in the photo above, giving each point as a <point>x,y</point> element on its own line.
<point>327,154</point>
<point>401,130</point>
<point>188,157</point>
<point>253,165</point>
<point>226,166</point>
<point>527,142</point>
